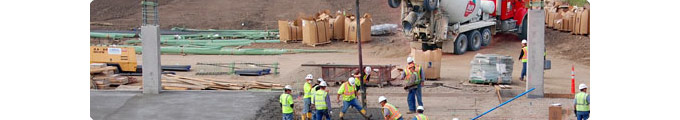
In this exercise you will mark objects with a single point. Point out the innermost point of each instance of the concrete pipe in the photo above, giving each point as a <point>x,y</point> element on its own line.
<point>408,21</point>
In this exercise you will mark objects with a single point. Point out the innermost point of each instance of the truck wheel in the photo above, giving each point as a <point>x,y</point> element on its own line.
<point>475,40</point>
<point>430,5</point>
<point>394,3</point>
<point>460,45</point>
<point>486,37</point>
<point>523,34</point>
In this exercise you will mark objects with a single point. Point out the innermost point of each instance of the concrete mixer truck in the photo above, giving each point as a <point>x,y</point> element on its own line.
<point>457,26</point>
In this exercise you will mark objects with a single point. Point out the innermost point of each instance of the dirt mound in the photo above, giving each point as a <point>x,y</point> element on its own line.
<point>227,14</point>
<point>567,46</point>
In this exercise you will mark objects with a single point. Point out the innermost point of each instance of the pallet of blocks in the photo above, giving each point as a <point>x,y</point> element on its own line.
<point>104,77</point>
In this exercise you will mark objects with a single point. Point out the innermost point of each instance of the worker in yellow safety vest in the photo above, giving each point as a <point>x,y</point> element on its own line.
<point>321,102</point>
<point>286,101</point>
<point>523,57</point>
<point>363,77</point>
<point>308,92</point>
<point>413,76</point>
<point>348,92</point>
<point>420,115</point>
<point>582,103</point>
<point>389,111</point>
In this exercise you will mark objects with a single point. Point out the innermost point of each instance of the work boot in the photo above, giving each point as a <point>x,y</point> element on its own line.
<point>309,115</point>
<point>363,113</point>
<point>303,117</point>
<point>341,115</point>
<point>410,112</point>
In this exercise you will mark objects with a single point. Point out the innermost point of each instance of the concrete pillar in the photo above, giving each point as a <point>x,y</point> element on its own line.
<point>151,62</point>
<point>535,41</point>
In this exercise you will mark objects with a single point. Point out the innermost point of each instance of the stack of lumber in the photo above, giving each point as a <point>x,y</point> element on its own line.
<point>176,82</point>
<point>264,85</point>
<point>103,77</point>
<point>563,17</point>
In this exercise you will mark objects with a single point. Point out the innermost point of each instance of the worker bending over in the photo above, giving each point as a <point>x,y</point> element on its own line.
<point>389,111</point>
<point>348,92</point>
<point>582,103</point>
<point>420,115</point>
<point>308,92</point>
<point>322,102</point>
<point>286,101</point>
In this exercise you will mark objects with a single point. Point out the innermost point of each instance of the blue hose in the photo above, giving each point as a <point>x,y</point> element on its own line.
<point>506,102</point>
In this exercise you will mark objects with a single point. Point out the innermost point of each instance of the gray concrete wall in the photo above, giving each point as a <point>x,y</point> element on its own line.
<point>536,43</point>
<point>151,62</point>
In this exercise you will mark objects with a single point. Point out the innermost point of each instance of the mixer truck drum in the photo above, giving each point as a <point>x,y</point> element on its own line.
<point>408,21</point>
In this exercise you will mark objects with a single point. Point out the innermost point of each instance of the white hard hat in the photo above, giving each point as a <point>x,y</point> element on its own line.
<point>381,98</point>
<point>420,108</point>
<point>288,87</point>
<point>368,70</point>
<point>582,86</point>
<point>351,80</point>
<point>524,41</point>
<point>320,79</point>
<point>409,59</point>
<point>309,77</point>
<point>323,83</point>
<point>455,119</point>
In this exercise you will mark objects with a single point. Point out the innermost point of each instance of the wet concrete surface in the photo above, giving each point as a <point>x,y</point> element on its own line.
<point>179,105</point>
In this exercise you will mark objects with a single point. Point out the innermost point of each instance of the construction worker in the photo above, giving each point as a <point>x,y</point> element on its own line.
<point>389,111</point>
<point>582,103</point>
<point>286,101</point>
<point>413,75</point>
<point>420,115</point>
<point>363,77</point>
<point>307,98</point>
<point>523,57</point>
<point>322,102</point>
<point>348,92</point>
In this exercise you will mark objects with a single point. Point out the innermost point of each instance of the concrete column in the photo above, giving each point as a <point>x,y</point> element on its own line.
<point>151,62</point>
<point>535,41</point>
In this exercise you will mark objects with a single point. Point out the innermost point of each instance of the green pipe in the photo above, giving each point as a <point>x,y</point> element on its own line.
<point>230,51</point>
<point>111,35</point>
<point>187,42</point>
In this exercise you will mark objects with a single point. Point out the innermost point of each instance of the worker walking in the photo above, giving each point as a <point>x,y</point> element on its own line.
<point>322,102</point>
<point>308,92</point>
<point>388,110</point>
<point>348,92</point>
<point>582,103</point>
<point>420,115</point>
<point>413,76</point>
<point>286,101</point>
<point>523,57</point>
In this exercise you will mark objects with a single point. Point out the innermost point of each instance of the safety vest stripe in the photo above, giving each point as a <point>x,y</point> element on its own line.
<point>347,92</point>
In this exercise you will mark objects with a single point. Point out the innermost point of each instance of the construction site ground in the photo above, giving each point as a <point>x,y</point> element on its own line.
<point>563,49</point>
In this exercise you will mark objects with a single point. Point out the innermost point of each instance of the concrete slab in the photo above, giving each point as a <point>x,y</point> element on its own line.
<point>179,105</point>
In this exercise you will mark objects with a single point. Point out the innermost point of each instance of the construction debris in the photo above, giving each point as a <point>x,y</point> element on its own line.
<point>491,68</point>
<point>383,29</point>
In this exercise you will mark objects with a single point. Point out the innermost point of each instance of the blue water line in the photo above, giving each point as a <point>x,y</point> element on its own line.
<point>506,102</point>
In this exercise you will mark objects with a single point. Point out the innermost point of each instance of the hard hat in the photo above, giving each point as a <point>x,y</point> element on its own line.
<point>455,118</point>
<point>524,41</point>
<point>323,84</point>
<point>309,77</point>
<point>420,108</point>
<point>409,59</point>
<point>320,79</point>
<point>381,98</point>
<point>582,86</point>
<point>351,80</point>
<point>288,87</point>
<point>368,70</point>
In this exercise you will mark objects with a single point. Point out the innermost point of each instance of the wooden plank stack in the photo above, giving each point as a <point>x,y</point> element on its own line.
<point>563,17</point>
<point>176,82</point>
<point>103,77</point>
